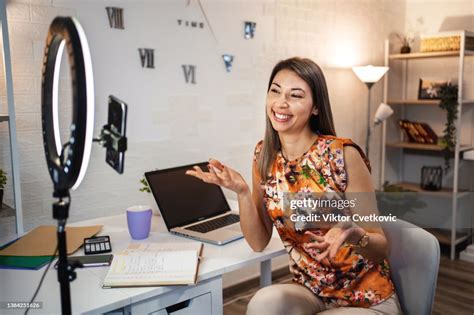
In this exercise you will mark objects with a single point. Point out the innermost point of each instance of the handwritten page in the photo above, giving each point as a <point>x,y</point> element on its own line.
<point>154,264</point>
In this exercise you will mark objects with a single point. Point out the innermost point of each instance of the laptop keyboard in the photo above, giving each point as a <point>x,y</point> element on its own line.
<point>215,224</point>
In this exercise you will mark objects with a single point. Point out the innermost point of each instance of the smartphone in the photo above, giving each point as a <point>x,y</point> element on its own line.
<point>91,260</point>
<point>117,125</point>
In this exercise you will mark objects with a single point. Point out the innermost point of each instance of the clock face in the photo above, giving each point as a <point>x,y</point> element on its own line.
<point>147,57</point>
<point>115,16</point>
<point>228,60</point>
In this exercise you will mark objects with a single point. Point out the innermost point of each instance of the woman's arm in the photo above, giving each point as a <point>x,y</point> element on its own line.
<point>254,221</point>
<point>361,189</point>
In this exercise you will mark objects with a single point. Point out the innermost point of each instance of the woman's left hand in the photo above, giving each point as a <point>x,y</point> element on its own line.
<point>329,244</point>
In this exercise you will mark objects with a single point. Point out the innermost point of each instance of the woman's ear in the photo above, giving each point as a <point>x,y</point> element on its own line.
<point>315,112</point>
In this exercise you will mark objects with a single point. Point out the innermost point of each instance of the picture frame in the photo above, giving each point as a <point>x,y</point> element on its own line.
<point>429,89</point>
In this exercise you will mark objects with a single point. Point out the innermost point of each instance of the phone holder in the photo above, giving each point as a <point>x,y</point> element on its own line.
<point>111,140</point>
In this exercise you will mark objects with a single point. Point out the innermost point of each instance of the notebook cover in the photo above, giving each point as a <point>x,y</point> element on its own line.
<point>42,241</point>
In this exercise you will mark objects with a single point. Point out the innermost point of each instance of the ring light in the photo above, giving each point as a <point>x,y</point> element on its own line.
<point>67,164</point>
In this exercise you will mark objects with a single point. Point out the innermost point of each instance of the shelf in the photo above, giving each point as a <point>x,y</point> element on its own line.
<point>444,236</point>
<point>6,211</point>
<point>426,55</point>
<point>3,118</point>
<point>444,192</point>
<point>423,102</point>
<point>421,150</point>
<point>425,147</point>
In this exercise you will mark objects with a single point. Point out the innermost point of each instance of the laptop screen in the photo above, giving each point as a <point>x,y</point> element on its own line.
<point>184,199</point>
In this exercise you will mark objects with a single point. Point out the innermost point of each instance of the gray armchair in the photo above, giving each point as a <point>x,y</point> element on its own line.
<point>414,256</point>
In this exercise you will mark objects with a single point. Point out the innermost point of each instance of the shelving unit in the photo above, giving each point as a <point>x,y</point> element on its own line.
<point>425,147</point>
<point>423,102</point>
<point>444,192</point>
<point>444,237</point>
<point>454,193</point>
<point>10,119</point>
<point>7,211</point>
<point>438,54</point>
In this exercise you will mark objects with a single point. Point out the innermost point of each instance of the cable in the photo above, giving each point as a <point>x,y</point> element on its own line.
<point>41,281</point>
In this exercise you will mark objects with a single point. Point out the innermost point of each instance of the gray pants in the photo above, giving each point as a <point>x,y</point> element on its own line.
<point>295,299</point>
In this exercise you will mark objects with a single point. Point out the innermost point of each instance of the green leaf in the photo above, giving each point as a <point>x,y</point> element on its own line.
<point>448,102</point>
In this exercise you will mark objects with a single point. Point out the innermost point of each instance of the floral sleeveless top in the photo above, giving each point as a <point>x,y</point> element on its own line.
<point>348,279</point>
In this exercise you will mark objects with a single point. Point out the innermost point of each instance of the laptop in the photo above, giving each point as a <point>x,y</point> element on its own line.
<point>193,208</point>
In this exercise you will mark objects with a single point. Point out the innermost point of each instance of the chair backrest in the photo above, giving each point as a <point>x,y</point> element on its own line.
<point>414,260</point>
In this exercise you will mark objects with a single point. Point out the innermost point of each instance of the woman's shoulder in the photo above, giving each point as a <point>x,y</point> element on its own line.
<point>258,148</point>
<point>337,144</point>
<point>259,145</point>
<point>336,140</point>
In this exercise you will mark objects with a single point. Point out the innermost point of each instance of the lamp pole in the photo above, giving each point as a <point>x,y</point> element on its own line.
<point>369,75</point>
<point>367,138</point>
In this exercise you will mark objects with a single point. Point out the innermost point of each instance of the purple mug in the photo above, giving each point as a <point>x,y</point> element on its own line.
<point>139,221</point>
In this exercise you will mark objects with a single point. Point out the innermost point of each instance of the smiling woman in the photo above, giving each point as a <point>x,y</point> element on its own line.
<point>337,267</point>
<point>304,96</point>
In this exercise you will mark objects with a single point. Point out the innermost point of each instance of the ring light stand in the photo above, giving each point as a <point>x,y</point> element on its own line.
<point>67,164</point>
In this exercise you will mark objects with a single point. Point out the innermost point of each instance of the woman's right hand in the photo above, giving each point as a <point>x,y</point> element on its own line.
<point>221,175</point>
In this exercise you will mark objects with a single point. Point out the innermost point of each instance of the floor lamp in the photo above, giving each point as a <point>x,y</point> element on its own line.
<point>369,75</point>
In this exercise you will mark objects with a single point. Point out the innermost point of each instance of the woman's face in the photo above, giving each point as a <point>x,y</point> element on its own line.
<point>289,103</point>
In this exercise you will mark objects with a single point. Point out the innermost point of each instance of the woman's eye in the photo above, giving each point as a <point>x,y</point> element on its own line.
<point>296,96</point>
<point>274,91</point>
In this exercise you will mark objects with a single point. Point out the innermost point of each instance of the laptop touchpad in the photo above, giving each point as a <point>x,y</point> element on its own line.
<point>235,227</point>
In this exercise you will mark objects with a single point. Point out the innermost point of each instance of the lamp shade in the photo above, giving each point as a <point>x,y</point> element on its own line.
<point>369,74</point>
<point>383,112</point>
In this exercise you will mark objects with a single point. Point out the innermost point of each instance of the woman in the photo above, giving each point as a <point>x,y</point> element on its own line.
<point>338,268</point>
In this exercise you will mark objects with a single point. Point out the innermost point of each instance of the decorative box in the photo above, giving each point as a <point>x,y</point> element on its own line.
<point>446,41</point>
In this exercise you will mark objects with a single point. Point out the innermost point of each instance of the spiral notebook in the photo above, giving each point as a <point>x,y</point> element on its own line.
<point>154,264</point>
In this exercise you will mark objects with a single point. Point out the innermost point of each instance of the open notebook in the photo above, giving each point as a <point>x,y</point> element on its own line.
<point>153,264</point>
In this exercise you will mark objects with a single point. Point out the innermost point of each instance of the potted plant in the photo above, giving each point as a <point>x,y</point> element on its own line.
<point>407,41</point>
<point>449,102</point>
<point>3,182</point>
<point>146,189</point>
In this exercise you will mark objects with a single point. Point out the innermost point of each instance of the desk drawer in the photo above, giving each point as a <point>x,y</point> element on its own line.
<point>197,305</point>
<point>204,298</point>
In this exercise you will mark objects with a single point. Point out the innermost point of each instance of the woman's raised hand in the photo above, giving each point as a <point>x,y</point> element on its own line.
<point>221,175</point>
<point>329,244</point>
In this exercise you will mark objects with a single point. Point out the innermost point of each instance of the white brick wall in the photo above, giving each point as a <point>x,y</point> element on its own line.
<point>170,122</point>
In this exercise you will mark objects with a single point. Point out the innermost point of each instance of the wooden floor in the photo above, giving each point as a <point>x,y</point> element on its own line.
<point>454,292</point>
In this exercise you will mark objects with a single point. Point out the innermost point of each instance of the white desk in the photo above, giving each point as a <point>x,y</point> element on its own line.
<point>87,294</point>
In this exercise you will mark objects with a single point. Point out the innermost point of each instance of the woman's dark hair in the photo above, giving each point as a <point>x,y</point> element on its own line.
<point>322,123</point>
